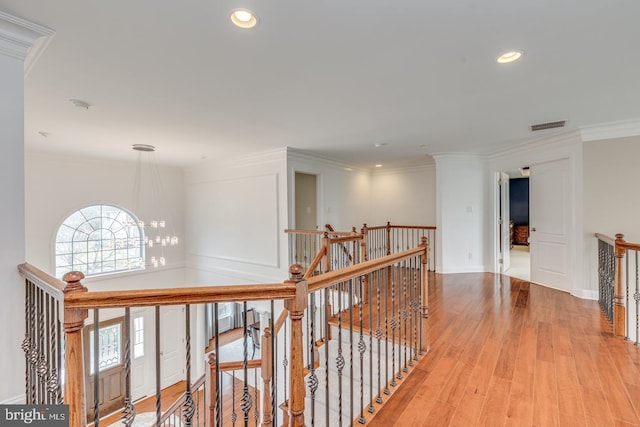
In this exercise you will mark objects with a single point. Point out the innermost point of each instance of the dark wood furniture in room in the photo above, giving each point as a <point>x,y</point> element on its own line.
<point>521,235</point>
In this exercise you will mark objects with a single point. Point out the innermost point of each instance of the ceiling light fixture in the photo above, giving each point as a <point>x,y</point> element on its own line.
<point>508,57</point>
<point>147,185</point>
<point>380,144</point>
<point>378,165</point>
<point>244,18</point>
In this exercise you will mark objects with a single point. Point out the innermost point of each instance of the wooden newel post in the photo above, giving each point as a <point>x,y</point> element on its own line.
<point>267,378</point>
<point>326,248</point>
<point>213,397</point>
<point>424,303</point>
<point>619,310</point>
<point>296,309</point>
<point>74,392</point>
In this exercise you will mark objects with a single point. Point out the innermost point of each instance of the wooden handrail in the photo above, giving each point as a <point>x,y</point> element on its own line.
<point>343,239</point>
<point>606,239</point>
<point>330,278</point>
<point>628,245</point>
<point>331,233</point>
<point>180,400</point>
<point>175,296</point>
<point>50,284</point>
<point>314,264</point>
<point>236,365</point>
<point>414,227</point>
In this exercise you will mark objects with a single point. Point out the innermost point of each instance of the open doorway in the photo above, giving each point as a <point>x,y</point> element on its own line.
<point>513,224</point>
<point>519,227</point>
<point>305,201</point>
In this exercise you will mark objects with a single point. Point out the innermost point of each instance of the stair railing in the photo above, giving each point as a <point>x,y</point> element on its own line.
<point>619,284</point>
<point>398,323</point>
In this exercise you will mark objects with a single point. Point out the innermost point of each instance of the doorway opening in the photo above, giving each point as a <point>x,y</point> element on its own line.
<point>515,260</point>
<point>306,212</point>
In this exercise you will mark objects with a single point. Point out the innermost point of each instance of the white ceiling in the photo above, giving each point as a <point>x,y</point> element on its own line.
<point>333,77</point>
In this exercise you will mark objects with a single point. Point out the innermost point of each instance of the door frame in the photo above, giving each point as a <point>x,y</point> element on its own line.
<point>567,145</point>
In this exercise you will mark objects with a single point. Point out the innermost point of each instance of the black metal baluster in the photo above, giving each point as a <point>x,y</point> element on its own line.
<point>313,379</point>
<point>234,415</point>
<point>256,413</point>
<point>326,354</point>
<point>636,297</point>
<point>416,305</point>
<point>158,366</point>
<point>25,341</point>
<point>218,374</point>
<point>274,372</point>
<point>246,397</point>
<point>385,281</point>
<point>39,362</point>
<point>96,367</point>
<point>393,328</point>
<point>361,348</point>
<point>129,411</point>
<point>401,286</point>
<point>340,357</point>
<point>370,302</point>
<point>351,395</point>
<point>189,406</point>
<point>378,336</point>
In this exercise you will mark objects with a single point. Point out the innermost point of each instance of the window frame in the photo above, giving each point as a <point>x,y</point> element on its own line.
<point>99,239</point>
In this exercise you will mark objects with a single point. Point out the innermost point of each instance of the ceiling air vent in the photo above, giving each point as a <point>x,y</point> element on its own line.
<point>548,125</point>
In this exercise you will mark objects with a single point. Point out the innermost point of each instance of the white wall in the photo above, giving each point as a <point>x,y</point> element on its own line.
<point>57,185</point>
<point>403,196</point>
<point>462,188</point>
<point>235,215</point>
<point>12,244</point>
<point>343,194</point>
<point>611,202</point>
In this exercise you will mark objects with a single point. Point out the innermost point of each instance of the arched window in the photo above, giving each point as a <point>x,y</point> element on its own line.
<point>99,239</point>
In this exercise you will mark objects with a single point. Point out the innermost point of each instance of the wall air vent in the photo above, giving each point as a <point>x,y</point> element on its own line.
<point>548,125</point>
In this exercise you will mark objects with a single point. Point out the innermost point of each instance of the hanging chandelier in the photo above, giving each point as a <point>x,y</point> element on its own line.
<point>148,185</point>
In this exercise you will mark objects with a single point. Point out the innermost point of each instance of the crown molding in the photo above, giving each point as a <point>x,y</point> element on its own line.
<point>22,39</point>
<point>611,130</point>
<point>295,154</point>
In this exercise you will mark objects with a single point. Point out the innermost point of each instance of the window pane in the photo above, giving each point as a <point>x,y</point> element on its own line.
<point>99,239</point>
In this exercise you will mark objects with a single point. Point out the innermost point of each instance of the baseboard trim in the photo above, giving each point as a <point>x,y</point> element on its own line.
<point>585,294</point>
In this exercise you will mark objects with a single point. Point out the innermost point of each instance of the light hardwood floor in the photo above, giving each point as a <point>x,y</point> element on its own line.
<point>505,352</point>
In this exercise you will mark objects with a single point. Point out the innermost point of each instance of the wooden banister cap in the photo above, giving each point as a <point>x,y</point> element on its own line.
<point>295,272</point>
<point>619,236</point>
<point>73,279</point>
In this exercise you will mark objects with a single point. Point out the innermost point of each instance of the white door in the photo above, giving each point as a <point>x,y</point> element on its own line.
<point>550,220</point>
<point>172,345</point>
<point>505,238</point>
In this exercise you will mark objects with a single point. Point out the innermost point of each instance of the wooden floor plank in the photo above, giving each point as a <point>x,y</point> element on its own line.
<point>507,352</point>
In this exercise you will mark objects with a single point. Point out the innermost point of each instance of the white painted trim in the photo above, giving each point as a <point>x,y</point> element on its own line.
<point>465,269</point>
<point>16,400</point>
<point>585,294</point>
<point>403,171</point>
<point>611,130</point>
<point>293,154</point>
<point>18,35</point>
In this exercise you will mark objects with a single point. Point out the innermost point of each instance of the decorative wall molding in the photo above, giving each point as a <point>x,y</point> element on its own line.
<point>293,154</point>
<point>611,130</point>
<point>22,39</point>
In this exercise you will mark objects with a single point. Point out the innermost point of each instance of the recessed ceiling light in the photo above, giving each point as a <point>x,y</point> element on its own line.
<point>380,144</point>
<point>348,169</point>
<point>378,165</point>
<point>508,57</point>
<point>244,18</point>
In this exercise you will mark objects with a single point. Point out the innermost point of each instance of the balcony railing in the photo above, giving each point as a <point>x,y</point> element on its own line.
<point>333,342</point>
<point>619,284</point>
